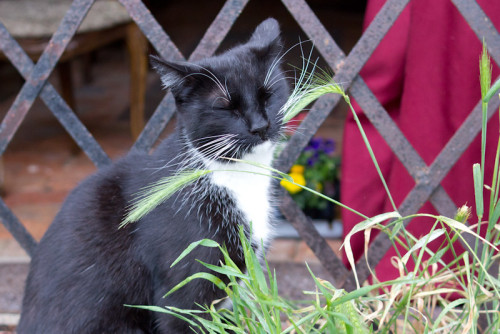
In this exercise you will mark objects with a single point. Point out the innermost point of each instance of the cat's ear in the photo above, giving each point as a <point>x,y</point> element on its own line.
<point>266,39</point>
<point>172,73</point>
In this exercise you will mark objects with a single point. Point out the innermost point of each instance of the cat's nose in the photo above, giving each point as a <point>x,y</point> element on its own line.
<point>260,129</point>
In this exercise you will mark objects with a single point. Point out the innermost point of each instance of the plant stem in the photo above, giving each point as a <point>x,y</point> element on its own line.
<point>370,151</point>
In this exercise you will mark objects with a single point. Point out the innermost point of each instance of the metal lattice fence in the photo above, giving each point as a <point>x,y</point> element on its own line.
<point>346,68</point>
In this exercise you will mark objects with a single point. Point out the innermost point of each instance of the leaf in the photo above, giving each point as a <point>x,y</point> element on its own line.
<point>492,91</point>
<point>370,222</point>
<point>174,313</point>
<point>448,308</point>
<point>207,276</point>
<point>437,256</point>
<point>224,270</point>
<point>422,242</point>
<point>478,189</point>
<point>462,227</point>
<point>193,245</point>
<point>253,265</point>
<point>495,216</point>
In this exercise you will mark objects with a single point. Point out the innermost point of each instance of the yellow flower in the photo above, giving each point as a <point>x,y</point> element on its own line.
<point>299,169</point>
<point>297,175</point>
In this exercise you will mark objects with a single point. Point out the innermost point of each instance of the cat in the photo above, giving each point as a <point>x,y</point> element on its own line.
<point>85,268</point>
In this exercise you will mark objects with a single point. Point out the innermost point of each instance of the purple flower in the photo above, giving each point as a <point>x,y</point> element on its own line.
<point>329,146</point>
<point>315,143</point>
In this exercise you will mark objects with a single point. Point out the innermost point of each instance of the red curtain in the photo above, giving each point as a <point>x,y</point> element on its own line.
<point>425,72</point>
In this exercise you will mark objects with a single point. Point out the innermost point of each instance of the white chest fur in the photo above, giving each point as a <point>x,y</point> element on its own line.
<point>250,187</point>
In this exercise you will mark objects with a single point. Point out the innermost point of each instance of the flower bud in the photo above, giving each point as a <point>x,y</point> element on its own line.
<point>463,214</point>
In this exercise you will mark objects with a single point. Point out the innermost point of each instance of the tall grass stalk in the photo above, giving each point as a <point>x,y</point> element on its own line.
<point>492,231</point>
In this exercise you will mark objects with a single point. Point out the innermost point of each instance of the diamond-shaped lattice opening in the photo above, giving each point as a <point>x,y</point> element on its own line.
<point>177,18</point>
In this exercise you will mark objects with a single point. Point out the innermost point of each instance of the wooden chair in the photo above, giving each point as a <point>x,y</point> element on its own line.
<point>32,23</point>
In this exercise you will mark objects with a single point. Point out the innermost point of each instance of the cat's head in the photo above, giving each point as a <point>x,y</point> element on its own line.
<point>230,103</point>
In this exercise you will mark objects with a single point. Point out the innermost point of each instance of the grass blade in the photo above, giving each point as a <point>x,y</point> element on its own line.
<point>360,227</point>
<point>478,190</point>
<point>207,276</point>
<point>193,245</point>
<point>159,192</point>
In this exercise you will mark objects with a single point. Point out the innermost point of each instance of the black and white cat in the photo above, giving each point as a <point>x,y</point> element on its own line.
<point>85,269</point>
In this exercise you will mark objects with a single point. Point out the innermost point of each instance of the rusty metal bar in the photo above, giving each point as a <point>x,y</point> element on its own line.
<point>166,49</point>
<point>447,158</point>
<point>36,77</point>
<point>219,28</point>
<point>42,70</point>
<point>315,30</point>
<point>17,229</point>
<point>158,38</point>
<point>314,240</point>
<point>481,24</point>
<point>54,102</point>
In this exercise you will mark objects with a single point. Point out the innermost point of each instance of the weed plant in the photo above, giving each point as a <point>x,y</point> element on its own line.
<point>462,296</point>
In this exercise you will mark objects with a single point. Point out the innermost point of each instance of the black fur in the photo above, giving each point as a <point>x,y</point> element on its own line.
<point>85,269</point>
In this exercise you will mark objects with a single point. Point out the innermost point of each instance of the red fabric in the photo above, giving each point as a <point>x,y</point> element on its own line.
<point>425,72</point>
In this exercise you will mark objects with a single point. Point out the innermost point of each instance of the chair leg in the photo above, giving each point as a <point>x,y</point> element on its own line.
<point>66,80</point>
<point>2,177</point>
<point>67,92</point>
<point>137,49</point>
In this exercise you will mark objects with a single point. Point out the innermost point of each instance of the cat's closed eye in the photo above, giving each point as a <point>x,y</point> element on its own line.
<point>221,103</point>
<point>264,96</point>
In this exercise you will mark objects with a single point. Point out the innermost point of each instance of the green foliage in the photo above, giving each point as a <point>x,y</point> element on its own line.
<point>256,304</point>
<point>320,169</point>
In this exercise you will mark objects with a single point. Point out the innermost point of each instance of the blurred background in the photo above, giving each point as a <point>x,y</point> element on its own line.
<point>105,78</point>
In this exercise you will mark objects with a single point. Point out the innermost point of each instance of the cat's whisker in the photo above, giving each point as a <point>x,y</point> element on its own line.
<point>186,158</point>
<point>219,97</point>
<point>222,138</point>
<point>293,132</point>
<point>277,78</point>
<point>281,76</point>
<point>277,60</point>
<point>207,137</point>
<point>213,149</point>
<point>227,90</point>
<point>221,149</point>
<point>216,80</point>
<point>217,140</point>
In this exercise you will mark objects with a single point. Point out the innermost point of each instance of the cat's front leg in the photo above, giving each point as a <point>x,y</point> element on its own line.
<point>200,292</point>
<point>165,323</point>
